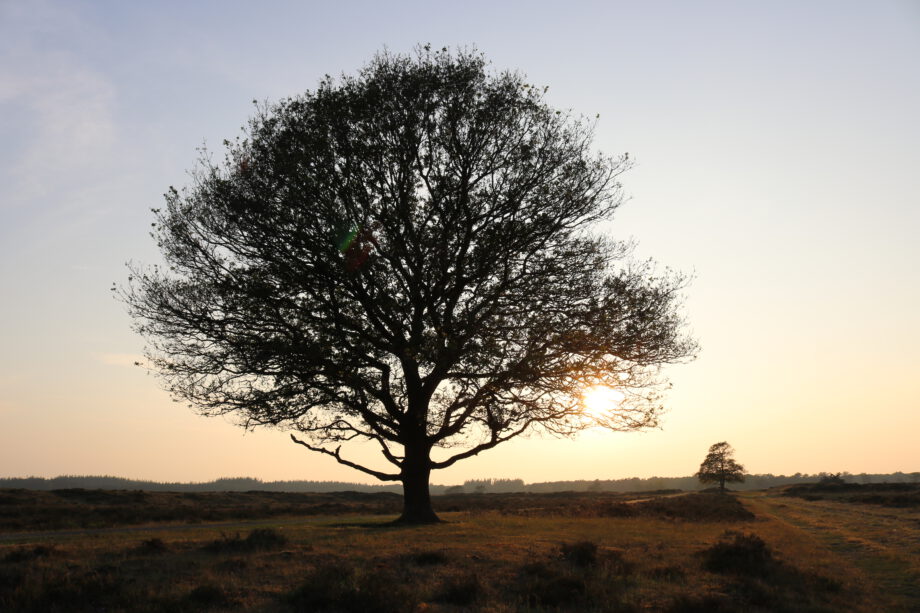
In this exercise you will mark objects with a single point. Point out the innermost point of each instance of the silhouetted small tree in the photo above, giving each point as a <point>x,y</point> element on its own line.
<point>720,467</point>
<point>831,479</point>
<point>407,257</point>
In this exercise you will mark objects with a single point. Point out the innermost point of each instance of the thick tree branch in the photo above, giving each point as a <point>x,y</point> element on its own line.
<point>335,454</point>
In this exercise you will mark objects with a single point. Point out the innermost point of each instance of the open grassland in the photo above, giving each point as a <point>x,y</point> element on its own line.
<point>697,552</point>
<point>883,542</point>
<point>77,508</point>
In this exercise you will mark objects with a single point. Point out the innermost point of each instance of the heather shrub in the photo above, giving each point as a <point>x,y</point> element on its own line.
<point>738,553</point>
<point>582,553</point>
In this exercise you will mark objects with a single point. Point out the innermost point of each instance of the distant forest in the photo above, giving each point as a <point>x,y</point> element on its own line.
<point>474,486</point>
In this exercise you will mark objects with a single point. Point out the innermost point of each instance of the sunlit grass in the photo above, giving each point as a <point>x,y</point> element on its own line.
<point>881,545</point>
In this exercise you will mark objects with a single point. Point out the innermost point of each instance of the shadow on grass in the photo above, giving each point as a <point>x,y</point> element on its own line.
<point>394,524</point>
<point>368,525</point>
<point>340,586</point>
<point>575,576</point>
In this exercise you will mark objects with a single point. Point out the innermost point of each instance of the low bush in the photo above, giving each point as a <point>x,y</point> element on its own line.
<point>208,596</point>
<point>265,538</point>
<point>322,587</point>
<point>582,553</point>
<point>152,546</point>
<point>257,540</point>
<point>545,585</point>
<point>738,553</point>
<point>696,507</point>
<point>24,554</point>
<point>339,587</point>
<point>461,590</point>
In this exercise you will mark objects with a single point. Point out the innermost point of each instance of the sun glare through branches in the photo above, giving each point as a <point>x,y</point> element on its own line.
<point>600,401</point>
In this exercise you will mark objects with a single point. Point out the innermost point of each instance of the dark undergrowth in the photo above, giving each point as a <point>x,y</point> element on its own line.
<point>700,507</point>
<point>696,507</point>
<point>761,582</point>
<point>257,540</point>
<point>743,575</point>
<point>577,576</point>
<point>886,494</point>
<point>32,510</point>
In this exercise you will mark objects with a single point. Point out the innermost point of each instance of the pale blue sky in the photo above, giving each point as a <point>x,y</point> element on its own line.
<point>777,160</point>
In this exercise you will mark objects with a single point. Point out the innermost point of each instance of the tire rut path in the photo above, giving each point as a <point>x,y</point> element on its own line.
<point>884,543</point>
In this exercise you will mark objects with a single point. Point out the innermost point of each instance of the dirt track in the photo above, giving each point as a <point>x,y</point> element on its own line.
<point>883,542</point>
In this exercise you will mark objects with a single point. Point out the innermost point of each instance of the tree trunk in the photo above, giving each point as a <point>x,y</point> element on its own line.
<point>416,497</point>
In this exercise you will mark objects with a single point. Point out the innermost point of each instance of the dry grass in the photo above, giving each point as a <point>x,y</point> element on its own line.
<point>881,545</point>
<point>483,560</point>
<point>22,510</point>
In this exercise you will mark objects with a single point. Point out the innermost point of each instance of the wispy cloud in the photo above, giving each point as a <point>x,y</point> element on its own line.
<point>63,105</point>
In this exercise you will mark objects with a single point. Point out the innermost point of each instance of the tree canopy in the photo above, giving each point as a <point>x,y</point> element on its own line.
<point>408,256</point>
<point>720,466</point>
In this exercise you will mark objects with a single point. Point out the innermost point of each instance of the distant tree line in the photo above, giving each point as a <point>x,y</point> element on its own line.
<point>481,486</point>
<point>471,486</point>
<point>751,482</point>
<point>232,484</point>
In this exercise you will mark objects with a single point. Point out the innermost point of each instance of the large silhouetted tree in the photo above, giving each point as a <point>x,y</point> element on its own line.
<point>720,466</point>
<point>408,256</point>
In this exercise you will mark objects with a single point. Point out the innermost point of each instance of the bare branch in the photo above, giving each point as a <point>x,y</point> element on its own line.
<point>336,454</point>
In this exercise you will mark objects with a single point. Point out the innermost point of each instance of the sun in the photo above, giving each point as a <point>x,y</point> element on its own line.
<point>600,400</point>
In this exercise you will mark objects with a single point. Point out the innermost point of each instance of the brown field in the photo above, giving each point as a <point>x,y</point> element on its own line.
<point>758,551</point>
